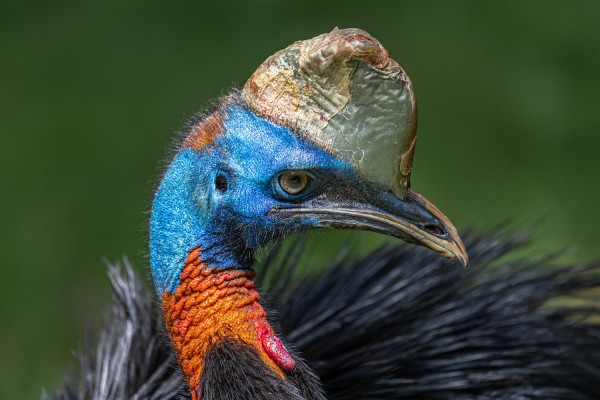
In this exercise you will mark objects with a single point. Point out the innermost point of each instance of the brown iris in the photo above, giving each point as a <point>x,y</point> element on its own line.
<point>294,182</point>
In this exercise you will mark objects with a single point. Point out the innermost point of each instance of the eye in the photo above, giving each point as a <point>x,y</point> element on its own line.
<point>294,182</point>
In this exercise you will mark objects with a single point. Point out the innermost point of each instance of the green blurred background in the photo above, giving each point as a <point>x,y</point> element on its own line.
<point>90,93</point>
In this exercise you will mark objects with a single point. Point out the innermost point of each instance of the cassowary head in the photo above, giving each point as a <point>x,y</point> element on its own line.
<point>321,135</point>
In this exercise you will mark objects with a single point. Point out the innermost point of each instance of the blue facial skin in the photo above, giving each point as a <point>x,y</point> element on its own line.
<point>189,211</point>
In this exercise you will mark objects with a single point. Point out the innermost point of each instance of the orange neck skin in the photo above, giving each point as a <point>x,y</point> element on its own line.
<point>210,305</point>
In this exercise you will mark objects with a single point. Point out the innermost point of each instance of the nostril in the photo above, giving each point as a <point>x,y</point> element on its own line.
<point>221,183</point>
<point>434,229</point>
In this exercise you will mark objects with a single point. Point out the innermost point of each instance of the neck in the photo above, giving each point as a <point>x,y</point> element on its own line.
<point>207,296</point>
<point>180,222</point>
<point>211,305</point>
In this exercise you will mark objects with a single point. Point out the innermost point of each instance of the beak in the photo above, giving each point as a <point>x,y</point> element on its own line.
<point>413,219</point>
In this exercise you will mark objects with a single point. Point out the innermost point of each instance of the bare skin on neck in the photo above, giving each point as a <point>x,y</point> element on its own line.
<point>212,304</point>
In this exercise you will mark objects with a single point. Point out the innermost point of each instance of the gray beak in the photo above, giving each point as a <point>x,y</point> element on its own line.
<point>413,219</point>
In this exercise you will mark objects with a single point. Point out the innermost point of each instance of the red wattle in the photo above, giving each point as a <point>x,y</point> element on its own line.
<point>274,347</point>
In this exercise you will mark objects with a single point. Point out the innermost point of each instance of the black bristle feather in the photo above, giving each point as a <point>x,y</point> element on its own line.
<point>235,371</point>
<point>401,323</point>
<point>132,358</point>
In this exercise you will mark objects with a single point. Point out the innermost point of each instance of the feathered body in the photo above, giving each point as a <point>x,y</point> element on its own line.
<point>399,323</point>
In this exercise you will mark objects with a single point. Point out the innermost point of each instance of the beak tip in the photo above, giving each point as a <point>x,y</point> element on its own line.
<point>460,252</point>
<point>461,257</point>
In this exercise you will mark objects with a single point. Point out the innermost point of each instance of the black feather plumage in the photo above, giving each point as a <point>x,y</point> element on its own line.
<point>400,323</point>
<point>132,358</point>
<point>234,371</point>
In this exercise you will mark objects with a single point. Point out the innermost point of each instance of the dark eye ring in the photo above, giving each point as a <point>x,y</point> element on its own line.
<point>294,182</point>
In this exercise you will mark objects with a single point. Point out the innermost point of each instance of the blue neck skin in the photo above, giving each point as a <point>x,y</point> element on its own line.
<point>188,211</point>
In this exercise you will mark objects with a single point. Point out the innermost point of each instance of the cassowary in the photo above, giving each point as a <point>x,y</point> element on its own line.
<point>323,135</point>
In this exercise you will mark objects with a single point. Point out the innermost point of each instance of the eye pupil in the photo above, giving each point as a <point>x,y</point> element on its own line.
<point>294,182</point>
<point>221,183</point>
